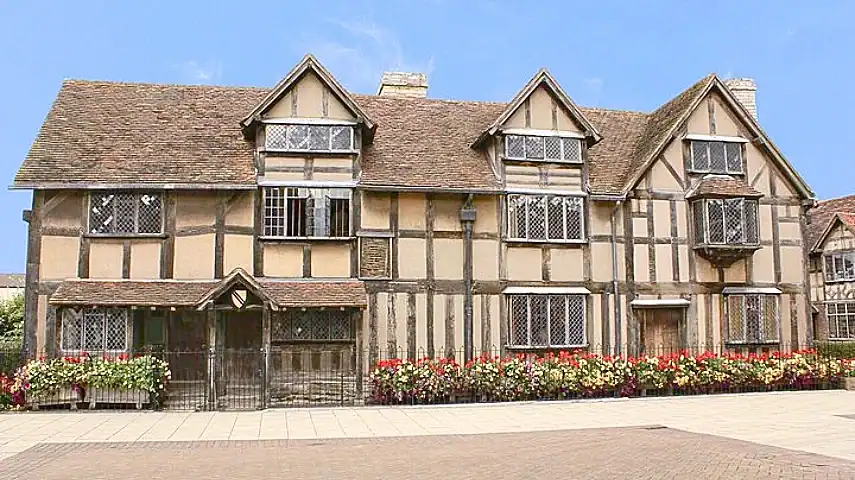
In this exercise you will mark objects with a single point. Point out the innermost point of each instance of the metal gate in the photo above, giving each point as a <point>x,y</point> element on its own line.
<point>239,379</point>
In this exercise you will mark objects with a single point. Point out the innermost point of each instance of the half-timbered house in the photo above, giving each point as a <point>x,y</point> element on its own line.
<point>327,228</point>
<point>831,239</point>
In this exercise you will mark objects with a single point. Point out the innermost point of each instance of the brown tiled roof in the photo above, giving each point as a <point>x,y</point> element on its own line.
<point>286,293</point>
<point>120,133</point>
<point>660,123</point>
<point>823,213</point>
<point>128,292</point>
<point>11,280</point>
<point>316,293</point>
<point>723,185</point>
<point>426,143</point>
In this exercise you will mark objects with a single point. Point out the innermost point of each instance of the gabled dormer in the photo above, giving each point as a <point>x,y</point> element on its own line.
<point>308,111</point>
<point>541,124</point>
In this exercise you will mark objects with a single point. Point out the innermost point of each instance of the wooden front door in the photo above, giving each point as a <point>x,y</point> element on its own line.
<point>661,331</point>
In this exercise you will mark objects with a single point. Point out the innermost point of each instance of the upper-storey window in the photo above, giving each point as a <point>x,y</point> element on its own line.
<point>726,221</point>
<point>716,157</point>
<point>545,217</point>
<point>309,138</point>
<point>126,213</point>
<point>840,266</point>
<point>529,147</point>
<point>291,212</point>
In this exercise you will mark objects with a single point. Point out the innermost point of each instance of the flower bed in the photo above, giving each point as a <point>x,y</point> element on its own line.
<point>571,375</point>
<point>66,380</point>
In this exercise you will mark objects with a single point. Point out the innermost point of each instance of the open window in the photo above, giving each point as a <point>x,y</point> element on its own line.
<point>292,212</point>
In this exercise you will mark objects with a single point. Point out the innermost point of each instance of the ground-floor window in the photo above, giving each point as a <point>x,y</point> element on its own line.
<point>312,325</point>
<point>94,329</point>
<point>547,320</point>
<point>752,318</point>
<point>841,320</point>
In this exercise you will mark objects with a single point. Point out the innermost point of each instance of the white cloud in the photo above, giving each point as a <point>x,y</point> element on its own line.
<point>359,51</point>
<point>194,71</point>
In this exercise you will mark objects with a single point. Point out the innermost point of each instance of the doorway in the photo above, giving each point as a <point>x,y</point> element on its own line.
<point>662,331</point>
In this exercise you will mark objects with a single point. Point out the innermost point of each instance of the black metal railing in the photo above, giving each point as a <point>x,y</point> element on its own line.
<point>301,375</point>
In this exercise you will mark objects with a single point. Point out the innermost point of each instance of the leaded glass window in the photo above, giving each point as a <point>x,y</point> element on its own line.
<point>545,217</point>
<point>94,329</point>
<point>716,157</point>
<point>752,318</point>
<point>530,147</point>
<point>728,221</point>
<point>312,138</point>
<point>125,213</point>
<point>547,320</point>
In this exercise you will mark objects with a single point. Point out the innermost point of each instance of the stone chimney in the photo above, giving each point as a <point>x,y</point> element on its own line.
<point>403,84</point>
<point>745,90</point>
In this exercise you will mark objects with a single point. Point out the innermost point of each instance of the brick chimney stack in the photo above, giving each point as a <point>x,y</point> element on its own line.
<point>403,84</point>
<point>745,90</point>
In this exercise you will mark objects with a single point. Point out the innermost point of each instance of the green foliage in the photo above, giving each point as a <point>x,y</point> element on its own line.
<point>46,376</point>
<point>836,349</point>
<point>12,320</point>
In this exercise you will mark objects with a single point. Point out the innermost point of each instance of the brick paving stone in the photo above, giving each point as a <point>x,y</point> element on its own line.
<point>608,453</point>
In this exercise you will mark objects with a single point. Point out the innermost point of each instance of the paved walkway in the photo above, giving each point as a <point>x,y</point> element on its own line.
<point>812,422</point>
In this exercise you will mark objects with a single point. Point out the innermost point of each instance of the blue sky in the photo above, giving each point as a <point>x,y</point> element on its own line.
<point>624,55</point>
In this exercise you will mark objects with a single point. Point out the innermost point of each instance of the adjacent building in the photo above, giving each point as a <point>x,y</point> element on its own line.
<point>334,228</point>
<point>831,239</point>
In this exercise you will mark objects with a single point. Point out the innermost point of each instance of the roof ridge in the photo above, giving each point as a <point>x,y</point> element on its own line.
<point>121,83</point>
<point>842,197</point>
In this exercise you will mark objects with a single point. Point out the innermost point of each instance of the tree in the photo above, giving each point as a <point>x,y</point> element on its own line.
<point>12,319</point>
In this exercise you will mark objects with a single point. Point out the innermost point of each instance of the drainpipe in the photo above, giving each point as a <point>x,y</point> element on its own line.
<point>467,218</point>
<point>618,339</point>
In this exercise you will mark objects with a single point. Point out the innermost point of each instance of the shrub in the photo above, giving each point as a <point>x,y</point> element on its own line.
<point>836,349</point>
<point>45,376</point>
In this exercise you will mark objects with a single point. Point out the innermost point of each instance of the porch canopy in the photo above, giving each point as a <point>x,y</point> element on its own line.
<point>278,293</point>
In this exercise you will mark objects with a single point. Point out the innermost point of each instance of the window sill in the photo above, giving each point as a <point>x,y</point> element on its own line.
<point>737,343</point>
<point>541,348</point>
<point>305,239</point>
<point>840,339</point>
<point>126,235</point>
<point>544,242</point>
<point>285,343</point>
<point>728,246</point>
<point>542,160</point>
<point>311,152</point>
<point>709,172</point>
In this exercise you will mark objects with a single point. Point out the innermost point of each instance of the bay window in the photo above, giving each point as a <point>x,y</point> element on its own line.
<point>726,221</point>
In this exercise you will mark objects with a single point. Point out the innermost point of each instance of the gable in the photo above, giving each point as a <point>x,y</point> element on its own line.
<point>716,112</point>
<point>533,106</point>
<point>309,97</point>
<point>838,236</point>
<point>543,111</point>
<point>309,89</point>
